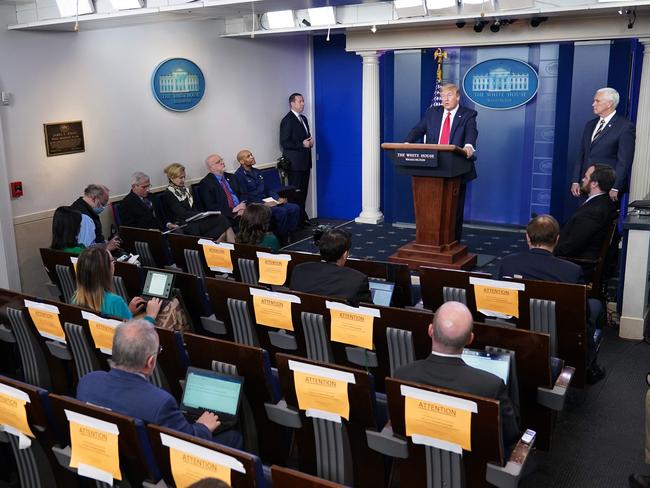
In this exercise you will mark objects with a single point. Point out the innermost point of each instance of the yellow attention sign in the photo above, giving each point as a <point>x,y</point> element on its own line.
<point>501,300</point>
<point>47,323</point>
<point>102,335</point>
<point>272,312</point>
<point>217,257</point>
<point>188,468</point>
<point>322,393</point>
<point>273,269</point>
<point>352,328</point>
<point>450,424</point>
<point>94,447</point>
<point>14,414</point>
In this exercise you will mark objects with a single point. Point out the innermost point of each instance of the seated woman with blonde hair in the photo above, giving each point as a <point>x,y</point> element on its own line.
<point>94,271</point>
<point>254,227</point>
<point>179,203</point>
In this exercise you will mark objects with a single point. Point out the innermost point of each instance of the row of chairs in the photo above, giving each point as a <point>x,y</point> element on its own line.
<point>144,458</point>
<point>326,447</point>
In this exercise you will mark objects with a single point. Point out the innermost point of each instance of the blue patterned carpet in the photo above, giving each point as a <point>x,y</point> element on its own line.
<point>380,241</point>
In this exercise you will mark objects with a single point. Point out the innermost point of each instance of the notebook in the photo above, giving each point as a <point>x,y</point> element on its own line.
<point>214,392</point>
<point>381,292</point>
<point>495,363</point>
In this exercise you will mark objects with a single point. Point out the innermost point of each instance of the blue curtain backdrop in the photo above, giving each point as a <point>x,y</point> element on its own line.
<point>525,155</point>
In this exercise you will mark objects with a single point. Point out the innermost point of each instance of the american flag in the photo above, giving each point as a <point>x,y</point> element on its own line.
<point>436,101</point>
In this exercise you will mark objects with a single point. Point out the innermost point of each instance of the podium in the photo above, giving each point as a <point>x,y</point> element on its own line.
<point>436,171</point>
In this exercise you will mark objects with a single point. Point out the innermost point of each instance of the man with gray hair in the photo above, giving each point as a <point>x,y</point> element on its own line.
<point>92,203</point>
<point>450,332</point>
<point>607,139</point>
<point>126,388</point>
<point>136,209</point>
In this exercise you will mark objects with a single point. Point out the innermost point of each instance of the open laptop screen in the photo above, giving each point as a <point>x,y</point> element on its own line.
<point>495,363</point>
<point>158,284</point>
<point>381,292</point>
<point>212,391</point>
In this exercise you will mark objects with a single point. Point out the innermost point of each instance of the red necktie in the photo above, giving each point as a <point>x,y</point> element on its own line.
<point>231,204</point>
<point>446,129</point>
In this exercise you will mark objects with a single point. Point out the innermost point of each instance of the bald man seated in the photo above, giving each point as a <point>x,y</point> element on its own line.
<point>126,388</point>
<point>450,332</point>
<point>219,191</point>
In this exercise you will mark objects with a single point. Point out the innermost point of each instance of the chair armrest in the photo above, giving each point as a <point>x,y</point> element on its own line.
<point>63,455</point>
<point>59,350</point>
<point>160,484</point>
<point>214,325</point>
<point>386,443</point>
<point>579,260</point>
<point>7,335</point>
<point>554,398</point>
<point>281,414</point>
<point>508,476</point>
<point>53,290</point>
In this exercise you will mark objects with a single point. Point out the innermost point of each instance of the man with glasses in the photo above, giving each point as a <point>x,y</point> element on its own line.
<point>136,209</point>
<point>92,203</point>
<point>219,191</point>
<point>455,125</point>
<point>126,388</point>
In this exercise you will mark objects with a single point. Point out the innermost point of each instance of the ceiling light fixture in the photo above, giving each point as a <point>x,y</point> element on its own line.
<point>410,8</point>
<point>496,26</point>
<point>127,4</point>
<point>536,21</point>
<point>321,16</point>
<point>280,19</point>
<point>373,29</point>
<point>479,25</point>
<point>440,4</point>
<point>70,8</point>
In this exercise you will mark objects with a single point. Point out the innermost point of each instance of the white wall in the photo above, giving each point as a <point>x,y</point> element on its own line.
<point>103,77</point>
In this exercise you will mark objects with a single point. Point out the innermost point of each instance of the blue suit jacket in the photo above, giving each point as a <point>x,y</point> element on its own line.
<point>539,264</point>
<point>614,147</point>
<point>252,186</point>
<point>463,131</point>
<point>132,395</point>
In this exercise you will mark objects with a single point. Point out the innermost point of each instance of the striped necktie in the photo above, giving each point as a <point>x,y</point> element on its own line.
<point>599,131</point>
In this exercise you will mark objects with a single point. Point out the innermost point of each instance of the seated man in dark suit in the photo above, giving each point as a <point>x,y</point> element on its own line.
<point>542,235</point>
<point>330,277</point>
<point>136,209</point>
<point>126,388</point>
<point>450,332</point>
<point>219,191</point>
<point>285,216</point>
<point>584,233</point>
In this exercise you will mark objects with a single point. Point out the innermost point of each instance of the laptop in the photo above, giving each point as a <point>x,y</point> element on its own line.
<point>495,363</point>
<point>381,292</point>
<point>207,390</point>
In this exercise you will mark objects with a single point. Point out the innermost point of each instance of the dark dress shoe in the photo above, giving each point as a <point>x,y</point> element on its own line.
<point>639,481</point>
<point>595,373</point>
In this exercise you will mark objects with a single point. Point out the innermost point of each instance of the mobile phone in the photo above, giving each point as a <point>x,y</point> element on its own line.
<point>528,437</point>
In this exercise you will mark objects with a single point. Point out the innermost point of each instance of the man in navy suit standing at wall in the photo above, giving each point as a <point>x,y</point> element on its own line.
<point>450,124</point>
<point>296,142</point>
<point>608,139</point>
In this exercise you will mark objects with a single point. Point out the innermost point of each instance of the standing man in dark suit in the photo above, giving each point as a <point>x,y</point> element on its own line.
<point>583,234</point>
<point>450,332</point>
<point>296,142</point>
<point>219,191</point>
<point>608,139</point>
<point>126,388</point>
<point>330,277</point>
<point>136,209</point>
<point>451,124</point>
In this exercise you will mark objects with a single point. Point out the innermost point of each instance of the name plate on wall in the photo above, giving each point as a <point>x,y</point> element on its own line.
<point>64,138</point>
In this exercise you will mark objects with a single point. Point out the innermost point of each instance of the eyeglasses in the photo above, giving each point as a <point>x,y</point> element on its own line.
<point>160,350</point>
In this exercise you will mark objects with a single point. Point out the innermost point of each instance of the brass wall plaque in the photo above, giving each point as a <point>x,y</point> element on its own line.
<point>64,138</point>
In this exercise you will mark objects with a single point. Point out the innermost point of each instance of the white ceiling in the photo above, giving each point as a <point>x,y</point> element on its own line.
<point>241,17</point>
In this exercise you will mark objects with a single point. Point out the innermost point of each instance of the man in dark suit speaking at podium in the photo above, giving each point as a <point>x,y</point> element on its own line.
<point>450,124</point>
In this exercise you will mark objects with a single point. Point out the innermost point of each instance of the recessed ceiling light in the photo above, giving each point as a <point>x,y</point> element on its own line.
<point>280,19</point>
<point>70,8</point>
<point>322,16</point>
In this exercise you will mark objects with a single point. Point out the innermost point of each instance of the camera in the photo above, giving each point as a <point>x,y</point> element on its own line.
<point>319,231</point>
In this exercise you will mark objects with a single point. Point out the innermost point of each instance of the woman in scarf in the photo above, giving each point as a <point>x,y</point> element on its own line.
<point>179,202</point>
